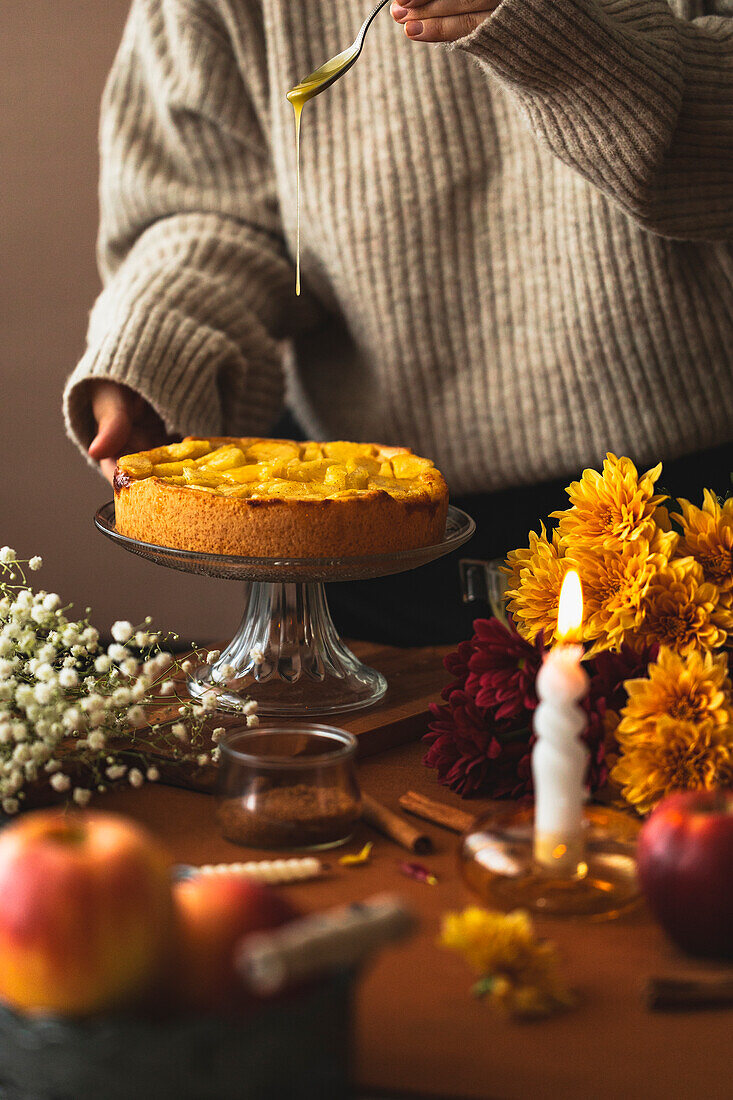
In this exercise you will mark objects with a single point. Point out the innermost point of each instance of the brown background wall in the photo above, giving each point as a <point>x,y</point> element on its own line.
<point>54,56</point>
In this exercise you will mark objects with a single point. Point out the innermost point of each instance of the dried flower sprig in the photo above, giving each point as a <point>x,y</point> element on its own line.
<point>519,974</point>
<point>71,708</point>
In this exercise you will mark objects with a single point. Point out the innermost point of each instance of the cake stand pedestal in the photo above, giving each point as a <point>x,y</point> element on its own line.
<point>287,653</point>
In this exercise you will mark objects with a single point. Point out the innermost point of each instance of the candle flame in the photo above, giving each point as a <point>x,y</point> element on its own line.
<point>570,613</point>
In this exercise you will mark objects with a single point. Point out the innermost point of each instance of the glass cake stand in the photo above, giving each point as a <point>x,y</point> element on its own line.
<point>287,652</point>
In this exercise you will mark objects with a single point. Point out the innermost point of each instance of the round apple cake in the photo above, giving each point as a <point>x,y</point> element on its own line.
<point>269,498</point>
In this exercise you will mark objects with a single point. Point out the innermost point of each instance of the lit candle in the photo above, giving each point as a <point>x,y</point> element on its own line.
<point>559,757</point>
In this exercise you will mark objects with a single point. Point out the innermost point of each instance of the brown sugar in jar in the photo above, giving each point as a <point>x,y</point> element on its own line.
<point>288,787</point>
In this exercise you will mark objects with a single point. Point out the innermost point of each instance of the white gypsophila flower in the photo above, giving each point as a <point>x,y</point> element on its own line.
<point>45,672</point>
<point>72,719</point>
<point>252,721</point>
<point>27,642</point>
<point>68,678</point>
<point>118,652</point>
<point>143,639</point>
<point>187,666</point>
<point>115,771</point>
<point>212,655</point>
<point>10,805</point>
<point>257,655</point>
<point>139,689</point>
<point>89,637</point>
<point>179,730</point>
<point>202,759</point>
<point>217,734</point>
<point>129,667</point>
<point>35,563</point>
<point>7,689</point>
<point>22,753</point>
<point>7,555</point>
<point>69,662</point>
<point>209,700</point>
<point>51,601</point>
<point>135,777</point>
<point>93,702</point>
<point>6,732</point>
<point>80,650</point>
<point>167,688</point>
<point>121,697</point>
<point>103,663</point>
<point>40,752</point>
<point>14,781</point>
<point>81,796</point>
<point>33,712</point>
<point>152,775</point>
<point>6,646</point>
<point>24,694</point>
<point>8,665</point>
<point>96,740</point>
<point>60,782</point>
<point>43,694</point>
<point>226,672</point>
<point>70,636</point>
<point>20,730</point>
<point>122,631</point>
<point>249,707</point>
<point>215,755</point>
<point>136,717</point>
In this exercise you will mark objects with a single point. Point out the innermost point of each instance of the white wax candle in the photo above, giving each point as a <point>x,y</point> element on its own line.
<point>560,759</point>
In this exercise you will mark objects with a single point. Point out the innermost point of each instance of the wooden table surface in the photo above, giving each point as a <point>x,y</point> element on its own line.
<point>418,1029</point>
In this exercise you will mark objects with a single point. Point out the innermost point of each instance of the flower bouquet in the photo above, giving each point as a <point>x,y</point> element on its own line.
<point>658,628</point>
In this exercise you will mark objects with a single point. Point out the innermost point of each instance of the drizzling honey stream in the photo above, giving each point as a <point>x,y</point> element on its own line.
<point>317,82</point>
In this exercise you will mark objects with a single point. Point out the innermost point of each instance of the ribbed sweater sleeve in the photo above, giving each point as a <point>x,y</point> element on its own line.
<point>636,99</point>
<point>198,285</point>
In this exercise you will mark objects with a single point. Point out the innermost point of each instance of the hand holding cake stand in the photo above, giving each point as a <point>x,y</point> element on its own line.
<point>287,652</point>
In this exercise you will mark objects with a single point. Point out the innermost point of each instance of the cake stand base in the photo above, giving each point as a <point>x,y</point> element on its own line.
<point>287,654</point>
<point>497,861</point>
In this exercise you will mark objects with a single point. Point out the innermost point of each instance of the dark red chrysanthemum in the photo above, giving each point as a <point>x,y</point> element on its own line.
<point>609,671</point>
<point>481,739</point>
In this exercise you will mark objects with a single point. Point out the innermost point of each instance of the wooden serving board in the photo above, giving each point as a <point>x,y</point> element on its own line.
<point>415,678</point>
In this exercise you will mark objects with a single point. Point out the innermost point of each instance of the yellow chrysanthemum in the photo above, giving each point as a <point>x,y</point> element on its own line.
<point>612,508</point>
<point>678,755</point>
<point>520,973</point>
<point>681,609</point>
<point>615,585</point>
<point>695,688</point>
<point>535,579</point>
<point>707,536</point>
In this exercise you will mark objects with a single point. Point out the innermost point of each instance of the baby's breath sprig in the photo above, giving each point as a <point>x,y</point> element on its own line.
<point>71,708</point>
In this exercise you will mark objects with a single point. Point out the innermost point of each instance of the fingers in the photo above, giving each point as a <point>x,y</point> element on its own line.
<point>441,20</point>
<point>112,408</point>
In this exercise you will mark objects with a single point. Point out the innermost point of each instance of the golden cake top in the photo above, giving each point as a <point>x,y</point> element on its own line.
<point>261,469</point>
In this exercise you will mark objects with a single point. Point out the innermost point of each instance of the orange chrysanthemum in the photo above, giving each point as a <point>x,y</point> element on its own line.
<point>707,536</point>
<point>678,755</point>
<point>535,579</point>
<point>613,508</point>
<point>681,610</point>
<point>695,688</point>
<point>615,585</point>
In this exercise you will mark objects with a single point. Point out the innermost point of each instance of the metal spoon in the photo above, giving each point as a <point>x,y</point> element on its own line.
<point>324,76</point>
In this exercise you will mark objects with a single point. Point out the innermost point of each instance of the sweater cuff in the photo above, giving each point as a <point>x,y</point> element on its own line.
<point>165,358</point>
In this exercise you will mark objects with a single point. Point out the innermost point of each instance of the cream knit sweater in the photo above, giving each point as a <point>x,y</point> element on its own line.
<point>516,252</point>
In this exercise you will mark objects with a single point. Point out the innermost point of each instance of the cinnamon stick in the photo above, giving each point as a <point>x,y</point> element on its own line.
<point>394,826</point>
<point>458,821</point>
<point>663,994</point>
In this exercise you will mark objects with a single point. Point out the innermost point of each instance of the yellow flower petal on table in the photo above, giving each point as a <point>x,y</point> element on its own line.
<point>707,536</point>
<point>611,508</point>
<point>353,859</point>
<point>519,973</point>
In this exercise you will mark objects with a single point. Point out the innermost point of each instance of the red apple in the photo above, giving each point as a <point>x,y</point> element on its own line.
<point>86,912</point>
<point>214,913</point>
<point>685,862</point>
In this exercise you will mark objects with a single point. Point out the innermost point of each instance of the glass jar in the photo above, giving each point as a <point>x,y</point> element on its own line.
<point>290,787</point>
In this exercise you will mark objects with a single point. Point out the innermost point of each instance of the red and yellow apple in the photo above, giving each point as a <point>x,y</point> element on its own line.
<point>685,863</point>
<point>86,913</point>
<point>214,912</point>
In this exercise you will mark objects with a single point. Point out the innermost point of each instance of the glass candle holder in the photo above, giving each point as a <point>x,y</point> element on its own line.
<point>290,787</point>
